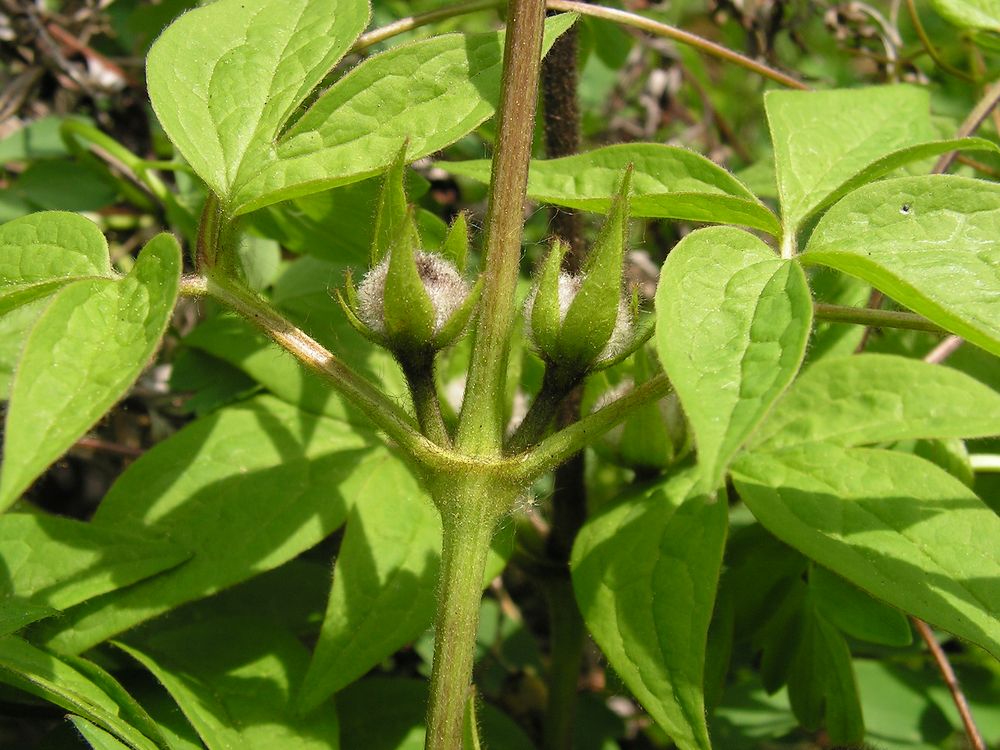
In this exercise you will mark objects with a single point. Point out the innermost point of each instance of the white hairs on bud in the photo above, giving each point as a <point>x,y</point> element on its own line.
<point>569,287</point>
<point>444,284</point>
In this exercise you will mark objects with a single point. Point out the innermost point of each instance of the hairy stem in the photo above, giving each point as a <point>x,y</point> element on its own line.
<point>480,427</point>
<point>562,134</point>
<point>389,417</point>
<point>470,510</point>
<point>419,372</point>
<point>558,447</point>
<point>541,412</point>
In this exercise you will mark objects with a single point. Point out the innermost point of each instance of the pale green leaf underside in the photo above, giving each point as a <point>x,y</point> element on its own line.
<point>970,14</point>
<point>383,587</point>
<point>239,503</point>
<point>667,182</point>
<point>83,353</point>
<point>824,138</point>
<point>891,523</point>
<point>234,679</point>
<point>645,574</point>
<point>931,243</point>
<point>428,93</point>
<point>874,398</point>
<point>40,673</point>
<point>732,321</point>
<point>224,78</point>
<point>59,562</point>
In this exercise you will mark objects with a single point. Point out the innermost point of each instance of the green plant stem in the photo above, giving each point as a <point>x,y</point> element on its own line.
<point>876,318</point>
<point>389,417</point>
<point>542,410</point>
<point>76,132</point>
<point>470,510</point>
<point>558,447</point>
<point>419,372</point>
<point>678,35</point>
<point>567,637</point>
<point>481,422</point>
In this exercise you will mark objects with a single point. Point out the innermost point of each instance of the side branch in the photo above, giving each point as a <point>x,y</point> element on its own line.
<point>874,317</point>
<point>557,448</point>
<point>386,415</point>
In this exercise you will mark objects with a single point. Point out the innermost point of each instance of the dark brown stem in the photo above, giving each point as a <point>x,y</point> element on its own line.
<point>562,133</point>
<point>941,660</point>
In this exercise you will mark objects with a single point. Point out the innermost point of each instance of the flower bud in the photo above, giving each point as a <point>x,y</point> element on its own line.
<point>411,302</point>
<point>581,323</point>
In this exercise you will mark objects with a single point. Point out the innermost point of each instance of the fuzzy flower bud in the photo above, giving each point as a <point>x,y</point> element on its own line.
<point>445,288</point>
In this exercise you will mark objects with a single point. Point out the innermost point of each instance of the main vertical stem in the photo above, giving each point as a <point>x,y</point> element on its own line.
<point>481,423</point>
<point>469,516</point>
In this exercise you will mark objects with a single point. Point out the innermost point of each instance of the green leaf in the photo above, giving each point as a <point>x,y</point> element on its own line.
<point>970,14</point>
<point>16,613</point>
<point>875,398</point>
<point>821,685</point>
<point>931,243</point>
<point>356,127</point>
<point>224,78</point>
<point>855,612</point>
<point>732,321</point>
<point>822,139</point>
<point>62,185</point>
<point>893,161</point>
<point>38,672</point>
<point>645,573</point>
<point>890,523</point>
<point>96,737</point>
<point>245,489</point>
<point>384,583</point>
<point>41,252</point>
<point>388,714</point>
<point>83,353</point>
<point>669,182</point>
<point>14,328</point>
<point>59,562</point>
<point>383,587</point>
<point>234,678</point>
